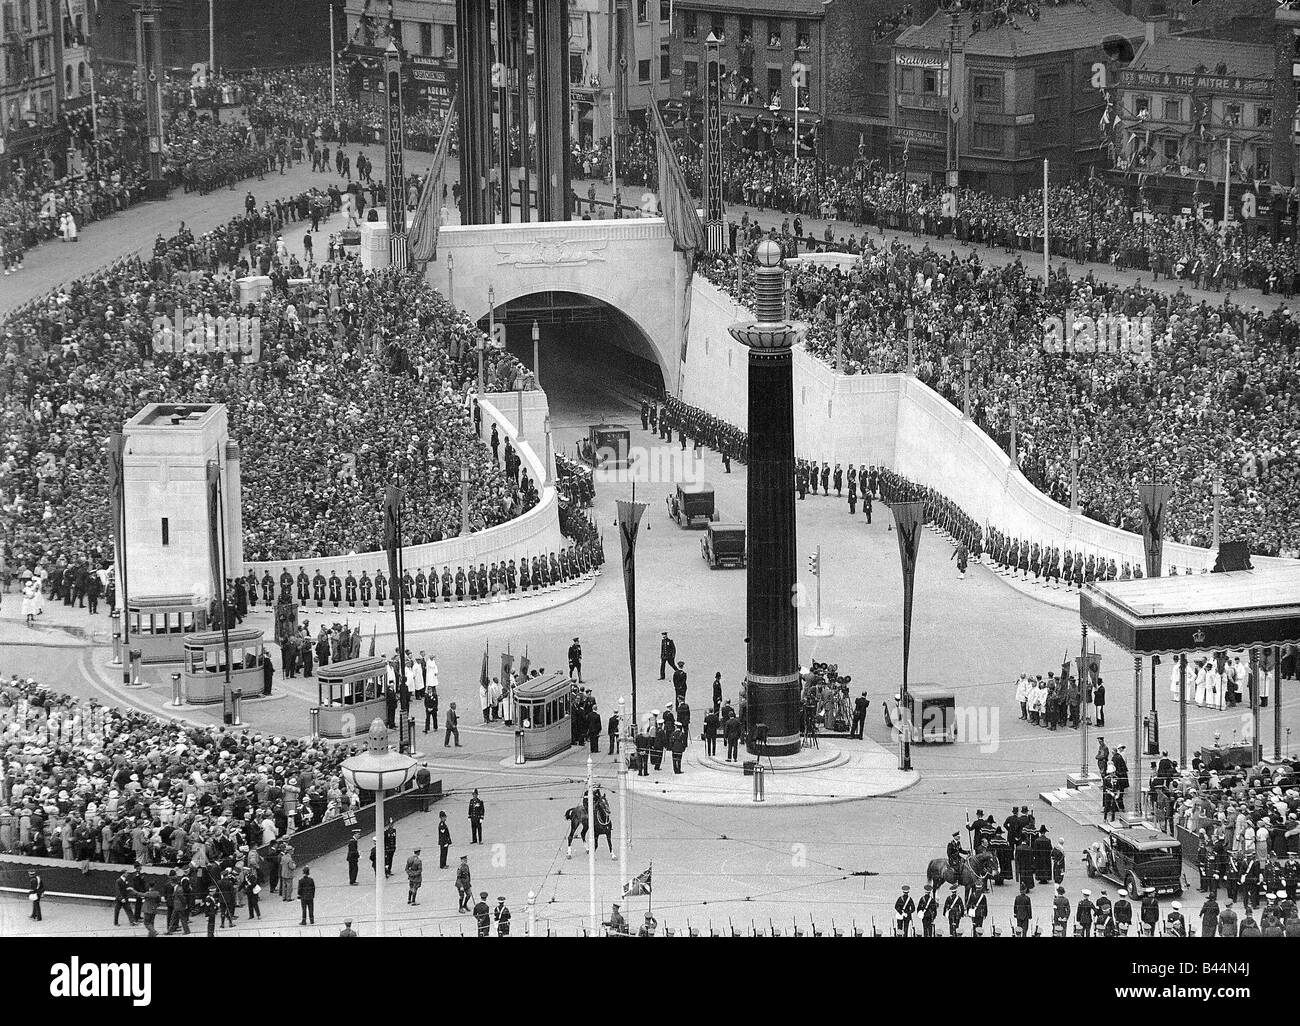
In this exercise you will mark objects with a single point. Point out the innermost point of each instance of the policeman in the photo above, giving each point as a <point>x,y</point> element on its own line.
<point>955,852</point>
<point>1150,912</point>
<point>929,909</point>
<point>502,916</point>
<point>354,857</point>
<point>954,908</point>
<point>904,909</point>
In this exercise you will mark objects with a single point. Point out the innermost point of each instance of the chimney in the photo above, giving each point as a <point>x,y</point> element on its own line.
<point>1157,26</point>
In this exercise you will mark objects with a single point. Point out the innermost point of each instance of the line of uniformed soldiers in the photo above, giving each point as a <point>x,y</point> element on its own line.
<point>692,423</point>
<point>1244,874</point>
<point>504,577</point>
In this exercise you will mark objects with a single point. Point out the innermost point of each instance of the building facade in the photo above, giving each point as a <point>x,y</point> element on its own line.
<point>31,68</point>
<point>1189,107</point>
<point>1021,92</point>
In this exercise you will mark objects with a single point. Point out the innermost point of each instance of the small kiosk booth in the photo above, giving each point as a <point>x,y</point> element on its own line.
<point>159,626</point>
<point>351,694</point>
<point>543,714</point>
<point>204,669</point>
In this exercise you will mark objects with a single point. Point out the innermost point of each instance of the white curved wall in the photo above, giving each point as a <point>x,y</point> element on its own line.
<point>536,532</point>
<point>895,421</point>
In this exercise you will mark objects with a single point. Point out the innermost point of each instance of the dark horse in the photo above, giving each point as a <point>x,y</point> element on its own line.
<point>975,870</point>
<point>577,817</point>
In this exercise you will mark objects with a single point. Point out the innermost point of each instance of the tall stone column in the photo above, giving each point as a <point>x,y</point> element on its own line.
<point>771,613</point>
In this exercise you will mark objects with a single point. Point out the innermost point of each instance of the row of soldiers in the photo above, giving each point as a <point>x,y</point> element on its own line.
<point>691,422</point>
<point>505,577</point>
<point>1244,874</point>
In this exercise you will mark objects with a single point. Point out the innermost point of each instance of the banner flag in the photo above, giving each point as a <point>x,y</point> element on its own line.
<point>1154,496</point>
<point>214,534</point>
<point>629,524</point>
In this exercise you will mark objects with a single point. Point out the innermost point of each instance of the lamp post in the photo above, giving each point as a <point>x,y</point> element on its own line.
<point>911,347</point>
<point>537,367</point>
<point>464,500</point>
<point>334,96</point>
<point>839,340</point>
<point>379,769</point>
<point>1074,475</point>
<point>492,334</point>
<point>451,279</point>
<point>965,370</point>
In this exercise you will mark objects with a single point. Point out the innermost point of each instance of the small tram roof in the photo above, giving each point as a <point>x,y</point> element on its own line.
<point>152,603</point>
<point>548,685</point>
<point>362,667</point>
<point>215,639</point>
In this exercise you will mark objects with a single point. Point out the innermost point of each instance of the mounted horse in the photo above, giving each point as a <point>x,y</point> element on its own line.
<point>578,821</point>
<point>973,873</point>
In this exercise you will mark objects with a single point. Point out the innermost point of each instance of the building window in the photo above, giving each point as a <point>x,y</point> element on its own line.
<point>718,26</point>
<point>774,76</point>
<point>691,75</point>
<point>166,532</point>
<point>643,71</point>
<point>1263,169</point>
<point>1263,116</point>
<point>1048,85</point>
<point>802,37</point>
<point>42,13</point>
<point>397,33</point>
<point>575,69</point>
<point>665,10</point>
<point>746,29</point>
<point>1173,110</point>
<point>1141,106</point>
<point>929,81</point>
<point>642,11</point>
<point>1171,151</point>
<point>25,15</point>
<point>690,28</point>
<point>987,137</point>
<point>774,33</point>
<point>449,42</point>
<point>1232,114</point>
<point>426,38</point>
<point>663,62</point>
<point>987,88</point>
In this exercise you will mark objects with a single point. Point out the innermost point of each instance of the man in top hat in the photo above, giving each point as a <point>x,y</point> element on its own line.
<point>904,909</point>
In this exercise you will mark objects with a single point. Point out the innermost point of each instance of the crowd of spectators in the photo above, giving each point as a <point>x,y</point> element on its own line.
<point>1198,393</point>
<point>362,379</point>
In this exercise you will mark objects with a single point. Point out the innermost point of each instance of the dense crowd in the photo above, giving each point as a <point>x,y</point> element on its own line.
<point>85,782</point>
<point>362,380</point>
<point>1194,392</point>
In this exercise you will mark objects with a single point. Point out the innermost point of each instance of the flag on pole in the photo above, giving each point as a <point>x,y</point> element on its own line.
<point>640,884</point>
<point>524,664</point>
<point>680,215</point>
<point>483,677</point>
<point>629,524</point>
<point>1154,497</point>
<point>373,632</point>
<point>393,497</point>
<point>214,532</point>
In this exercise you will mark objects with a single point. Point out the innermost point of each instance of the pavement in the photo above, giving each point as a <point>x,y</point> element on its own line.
<point>722,865</point>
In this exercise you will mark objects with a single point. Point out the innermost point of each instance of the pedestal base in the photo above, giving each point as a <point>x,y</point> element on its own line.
<point>824,630</point>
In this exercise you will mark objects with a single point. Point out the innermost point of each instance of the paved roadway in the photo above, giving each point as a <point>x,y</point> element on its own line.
<point>843,862</point>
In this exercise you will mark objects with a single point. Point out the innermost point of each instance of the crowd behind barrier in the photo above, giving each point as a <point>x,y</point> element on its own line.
<point>1147,382</point>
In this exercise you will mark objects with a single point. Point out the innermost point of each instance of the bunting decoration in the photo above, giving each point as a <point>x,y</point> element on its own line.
<point>426,220</point>
<point>909,517</point>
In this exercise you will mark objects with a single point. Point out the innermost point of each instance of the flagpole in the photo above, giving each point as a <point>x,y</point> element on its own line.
<point>1046,266</point>
<point>1227,179</point>
<point>591,853</point>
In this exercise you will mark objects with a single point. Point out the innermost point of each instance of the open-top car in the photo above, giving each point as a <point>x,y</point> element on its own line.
<point>1137,857</point>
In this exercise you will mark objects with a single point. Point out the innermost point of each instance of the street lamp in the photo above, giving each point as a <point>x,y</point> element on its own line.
<point>911,350</point>
<point>537,367</point>
<point>965,369</point>
<point>1074,475</point>
<point>492,334</point>
<point>378,769</point>
<point>464,500</point>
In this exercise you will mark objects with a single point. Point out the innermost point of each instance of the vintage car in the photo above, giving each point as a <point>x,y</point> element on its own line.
<point>606,447</point>
<point>1137,857</point>
<point>691,503</point>
<point>724,545</point>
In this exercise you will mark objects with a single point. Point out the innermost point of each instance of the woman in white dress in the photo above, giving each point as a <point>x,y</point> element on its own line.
<point>31,601</point>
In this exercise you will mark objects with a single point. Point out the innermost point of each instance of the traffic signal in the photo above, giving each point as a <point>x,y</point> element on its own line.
<point>815,564</point>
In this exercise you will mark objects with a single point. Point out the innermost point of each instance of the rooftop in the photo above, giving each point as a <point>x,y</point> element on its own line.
<point>788,8</point>
<point>1195,55</point>
<point>1072,26</point>
<point>168,414</point>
